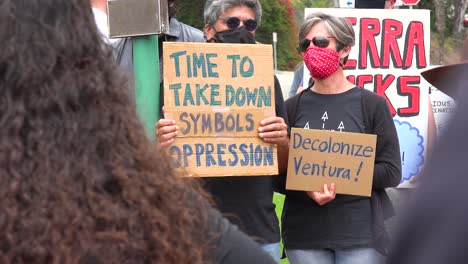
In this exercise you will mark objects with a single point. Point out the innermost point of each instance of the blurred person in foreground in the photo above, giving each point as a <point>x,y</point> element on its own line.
<point>79,180</point>
<point>324,227</point>
<point>434,227</point>
<point>247,199</point>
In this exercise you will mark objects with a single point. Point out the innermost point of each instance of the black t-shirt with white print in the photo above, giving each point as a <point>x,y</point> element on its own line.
<point>346,221</point>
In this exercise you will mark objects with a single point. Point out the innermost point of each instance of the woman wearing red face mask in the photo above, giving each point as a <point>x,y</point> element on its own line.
<point>324,227</point>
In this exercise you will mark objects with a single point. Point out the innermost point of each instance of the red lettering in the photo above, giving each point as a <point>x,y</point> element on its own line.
<point>370,27</point>
<point>415,40</point>
<point>352,20</point>
<point>405,88</point>
<point>350,65</point>
<point>393,30</point>
<point>380,87</point>
<point>351,79</point>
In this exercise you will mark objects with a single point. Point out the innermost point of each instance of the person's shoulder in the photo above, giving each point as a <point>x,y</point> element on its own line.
<point>188,33</point>
<point>293,99</point>
<point>195,31</point>
<point>276,83</point>
<point>370,95</point>
<point>372,101</point>
<point>300,67</point>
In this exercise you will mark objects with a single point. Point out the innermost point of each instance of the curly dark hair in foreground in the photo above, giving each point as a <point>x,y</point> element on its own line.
<point>79,180</point>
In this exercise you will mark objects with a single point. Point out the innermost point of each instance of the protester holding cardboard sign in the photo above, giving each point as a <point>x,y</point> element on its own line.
<point>247,199</point>
<point>321,226</point>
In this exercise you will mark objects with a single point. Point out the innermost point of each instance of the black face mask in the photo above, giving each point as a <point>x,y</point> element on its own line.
<point>238,35</point>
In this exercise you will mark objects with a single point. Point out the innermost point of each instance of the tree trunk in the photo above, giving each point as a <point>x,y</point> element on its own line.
<point>458,30</point>
<point>440,21</point>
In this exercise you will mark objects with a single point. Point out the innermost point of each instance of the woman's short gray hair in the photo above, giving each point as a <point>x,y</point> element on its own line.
<point>214,8</point>
<point>338,27</point>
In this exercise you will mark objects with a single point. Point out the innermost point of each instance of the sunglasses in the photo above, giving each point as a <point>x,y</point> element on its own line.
<point>319,41</point>
<point>234,22</point>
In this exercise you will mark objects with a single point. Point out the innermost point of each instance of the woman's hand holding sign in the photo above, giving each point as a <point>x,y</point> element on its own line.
<point>325,196</point>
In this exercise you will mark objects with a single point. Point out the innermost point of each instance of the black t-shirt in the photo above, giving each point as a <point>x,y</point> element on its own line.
<point>247,201</point>
<point>346,221</point>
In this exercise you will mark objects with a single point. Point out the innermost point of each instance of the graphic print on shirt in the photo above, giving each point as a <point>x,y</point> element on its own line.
<point>341,126</point>
<point>338,112</point>
<point>324,119</point>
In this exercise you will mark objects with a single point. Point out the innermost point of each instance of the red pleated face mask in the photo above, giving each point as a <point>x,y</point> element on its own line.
<point>321,62</point>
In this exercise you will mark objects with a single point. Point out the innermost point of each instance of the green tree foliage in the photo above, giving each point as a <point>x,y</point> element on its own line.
<point>190,12</point>
<point>300,5</point>
<point>278,16</point>
<point>452,8</point>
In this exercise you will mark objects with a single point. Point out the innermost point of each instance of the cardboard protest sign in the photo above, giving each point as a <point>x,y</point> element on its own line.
<point>218,94</point>
<point>390,52</point>
<point>318,157</point>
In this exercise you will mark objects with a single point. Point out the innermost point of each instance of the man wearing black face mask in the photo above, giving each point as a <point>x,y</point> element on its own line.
<point>245,201</point>
<point>235,32</point>
<point>232,21</point>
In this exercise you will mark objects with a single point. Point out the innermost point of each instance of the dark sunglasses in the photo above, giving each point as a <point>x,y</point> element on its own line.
<point>234,22</point>
<point>321,42</point>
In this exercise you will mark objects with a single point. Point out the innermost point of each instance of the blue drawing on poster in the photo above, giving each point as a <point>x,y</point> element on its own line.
<point>411,149</point>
